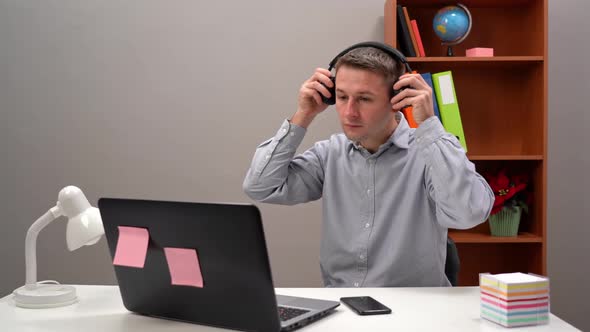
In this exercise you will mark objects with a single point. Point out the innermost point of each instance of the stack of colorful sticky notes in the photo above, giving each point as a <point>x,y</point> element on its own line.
<point>514,299</point>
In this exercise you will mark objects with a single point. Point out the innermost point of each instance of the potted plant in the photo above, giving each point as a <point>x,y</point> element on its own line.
<point>511,198</point>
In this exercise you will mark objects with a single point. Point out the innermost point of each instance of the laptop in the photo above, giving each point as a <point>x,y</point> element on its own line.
<point>237,289</point>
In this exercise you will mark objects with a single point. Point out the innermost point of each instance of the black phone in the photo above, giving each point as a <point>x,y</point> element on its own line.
<point>365,305</point>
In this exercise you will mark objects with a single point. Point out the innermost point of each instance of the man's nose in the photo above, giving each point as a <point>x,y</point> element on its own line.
<point>351,109</point>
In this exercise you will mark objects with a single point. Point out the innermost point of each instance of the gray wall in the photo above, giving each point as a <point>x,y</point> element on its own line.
<point>168,99</point>
<point>157,99</point>
<point>568,208</point>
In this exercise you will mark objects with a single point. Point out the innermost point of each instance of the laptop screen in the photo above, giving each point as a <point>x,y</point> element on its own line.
<point>199,262</point>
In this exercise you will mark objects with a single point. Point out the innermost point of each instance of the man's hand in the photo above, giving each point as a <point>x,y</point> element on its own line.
<point>309,101</point>
<point>417,94</point>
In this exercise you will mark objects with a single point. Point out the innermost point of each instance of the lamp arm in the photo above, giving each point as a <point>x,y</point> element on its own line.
<point>31,244</point>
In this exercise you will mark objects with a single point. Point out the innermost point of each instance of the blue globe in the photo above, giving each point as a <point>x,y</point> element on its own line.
<point>452,24</point>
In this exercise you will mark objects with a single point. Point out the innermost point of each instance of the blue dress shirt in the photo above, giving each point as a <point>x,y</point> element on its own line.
<point>385,214</point>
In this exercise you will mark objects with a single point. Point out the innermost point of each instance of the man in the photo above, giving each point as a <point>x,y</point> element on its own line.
<point>389,192</point>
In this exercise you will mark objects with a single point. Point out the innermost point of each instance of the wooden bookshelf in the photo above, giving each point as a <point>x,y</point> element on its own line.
<point>473,157</point>
<point>503,104</point>
<point>491,60</point>
<point>474,237</point>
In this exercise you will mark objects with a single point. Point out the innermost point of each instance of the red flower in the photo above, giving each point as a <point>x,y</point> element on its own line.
<point>505,188</point>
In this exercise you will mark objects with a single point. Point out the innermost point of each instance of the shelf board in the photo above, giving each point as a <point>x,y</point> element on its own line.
<point>505,157</point>
<point>501,62</point>
<point>533,58</point>
<point>467,237</point>
<point>468,3</point>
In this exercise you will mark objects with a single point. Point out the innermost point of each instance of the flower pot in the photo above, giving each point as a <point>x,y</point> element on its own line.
<point>505,222</point>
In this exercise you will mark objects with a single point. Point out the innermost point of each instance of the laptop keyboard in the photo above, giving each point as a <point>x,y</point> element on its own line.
<point>286,313</point>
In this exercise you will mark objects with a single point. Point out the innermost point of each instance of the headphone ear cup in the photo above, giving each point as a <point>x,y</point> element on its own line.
<point>395,92</point>
<point>332,99</point>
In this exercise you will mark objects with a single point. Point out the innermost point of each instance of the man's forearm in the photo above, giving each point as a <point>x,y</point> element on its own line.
<point>302,119</point>
<point>274,175</point>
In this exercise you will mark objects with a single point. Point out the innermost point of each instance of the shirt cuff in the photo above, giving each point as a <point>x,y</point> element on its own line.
<point>429,131</point>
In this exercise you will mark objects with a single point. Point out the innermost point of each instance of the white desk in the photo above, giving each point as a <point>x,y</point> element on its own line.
<point>414,309</point>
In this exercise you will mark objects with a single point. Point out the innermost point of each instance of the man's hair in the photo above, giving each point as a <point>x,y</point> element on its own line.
<point>374,60</point>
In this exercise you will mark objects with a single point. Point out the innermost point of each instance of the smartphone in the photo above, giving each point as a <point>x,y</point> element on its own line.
<point>365,305</point>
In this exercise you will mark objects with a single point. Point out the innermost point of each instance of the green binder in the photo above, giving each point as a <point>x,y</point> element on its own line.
<point>448,105</point>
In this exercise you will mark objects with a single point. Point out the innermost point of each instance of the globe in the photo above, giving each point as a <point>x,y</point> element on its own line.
<point>452,25</point>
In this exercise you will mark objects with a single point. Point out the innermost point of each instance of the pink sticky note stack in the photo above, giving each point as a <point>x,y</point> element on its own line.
<point>184,267</point>
<point>131,246</point>
<point>479,52</point>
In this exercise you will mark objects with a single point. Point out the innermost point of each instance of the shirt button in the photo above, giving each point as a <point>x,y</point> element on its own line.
<point>367,225</point>
<point>361,256</point>
<point>356,284</point>
<point>369,191</point>
<point>267,156</point>
<point>291,134</point>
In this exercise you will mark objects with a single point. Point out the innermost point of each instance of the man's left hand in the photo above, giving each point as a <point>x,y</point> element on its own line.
<point>417,94</point>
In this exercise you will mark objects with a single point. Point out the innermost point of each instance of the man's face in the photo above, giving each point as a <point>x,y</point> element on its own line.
<point>362,103</point>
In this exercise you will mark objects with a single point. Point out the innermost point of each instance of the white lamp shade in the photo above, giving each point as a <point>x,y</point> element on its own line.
<point>84,221</point>
<point>84,229</point>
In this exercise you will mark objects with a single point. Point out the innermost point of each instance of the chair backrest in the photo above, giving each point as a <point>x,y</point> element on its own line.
<point>452,263</point>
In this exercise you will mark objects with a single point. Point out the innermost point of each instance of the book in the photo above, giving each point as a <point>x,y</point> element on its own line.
<point>412,37</point>
<point>448,105</point>
<point>407,112</point>
<point>403,34</point>
<point>418,38</point>
<point>428,78</point>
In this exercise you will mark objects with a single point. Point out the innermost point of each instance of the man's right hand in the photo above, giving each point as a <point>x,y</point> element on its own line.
<point>309,101</point>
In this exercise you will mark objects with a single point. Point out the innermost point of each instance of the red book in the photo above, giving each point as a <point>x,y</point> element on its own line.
<point>417,36</point>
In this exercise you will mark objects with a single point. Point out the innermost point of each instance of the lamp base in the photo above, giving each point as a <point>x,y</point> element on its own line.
<point>45,296</point>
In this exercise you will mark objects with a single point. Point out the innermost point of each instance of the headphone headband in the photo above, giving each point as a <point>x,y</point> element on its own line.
<point>394,53</point>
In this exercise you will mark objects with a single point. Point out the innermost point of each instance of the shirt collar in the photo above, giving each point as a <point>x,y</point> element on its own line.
<point>400,136</point>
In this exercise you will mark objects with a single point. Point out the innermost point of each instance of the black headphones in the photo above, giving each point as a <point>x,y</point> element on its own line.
<point>396,55</point>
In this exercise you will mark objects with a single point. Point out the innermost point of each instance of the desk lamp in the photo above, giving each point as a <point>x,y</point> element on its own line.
<point>84,228</point>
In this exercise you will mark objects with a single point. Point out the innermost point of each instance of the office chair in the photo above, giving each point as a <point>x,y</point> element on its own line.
<point>452,263</point>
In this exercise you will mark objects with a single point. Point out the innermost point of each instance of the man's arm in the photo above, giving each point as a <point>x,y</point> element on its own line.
<point>276,176</point>
<point>462,197</point>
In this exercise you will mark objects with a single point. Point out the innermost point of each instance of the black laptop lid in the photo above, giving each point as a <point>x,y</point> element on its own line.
<point>237,290</point>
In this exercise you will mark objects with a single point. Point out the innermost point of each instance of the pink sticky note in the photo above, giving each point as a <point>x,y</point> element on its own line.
<point>479,51</point>
<point>184,267</point>
<point>131,246</point>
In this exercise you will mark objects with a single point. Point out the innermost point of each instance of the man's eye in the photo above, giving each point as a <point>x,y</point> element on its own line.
<point>365,99</point>
<point>342,97</point>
